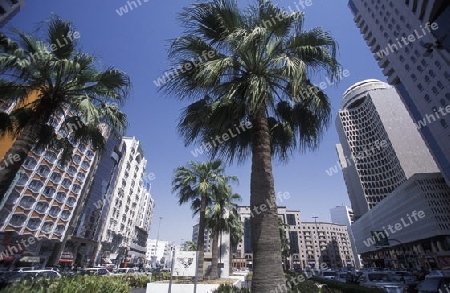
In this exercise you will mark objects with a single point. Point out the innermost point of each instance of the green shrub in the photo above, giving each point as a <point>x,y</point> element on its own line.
<point>77,284</point>
<point>134,280</point>
<point>230,289</point>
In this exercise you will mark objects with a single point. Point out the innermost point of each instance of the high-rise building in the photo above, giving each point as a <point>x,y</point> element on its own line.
<point>9,8</point>
<point>158,252</point>
<point>83,240</point>
<point>41,201</point>
<point>127,223</point>
<point>380,146</point>
<point>343,215</point>
<point>411,42</point>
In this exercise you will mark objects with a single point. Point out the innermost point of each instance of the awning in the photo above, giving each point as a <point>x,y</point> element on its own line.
<point>65,260</point>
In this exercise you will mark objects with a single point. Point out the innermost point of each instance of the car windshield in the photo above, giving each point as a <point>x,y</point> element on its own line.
<point>378,277</point>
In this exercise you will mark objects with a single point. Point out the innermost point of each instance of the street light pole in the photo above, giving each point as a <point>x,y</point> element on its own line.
<point>157,239</point>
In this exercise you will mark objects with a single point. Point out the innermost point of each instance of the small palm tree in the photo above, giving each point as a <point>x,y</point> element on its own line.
<point>254,96</point>
<point>219,218</point>
<point>236,233</point>
<point>195,183</point>
<point>189,246</point>
<point>285,249</point>
<point>41,81</point>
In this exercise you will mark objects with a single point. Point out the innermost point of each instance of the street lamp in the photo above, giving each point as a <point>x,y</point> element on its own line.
<point>157,239</point>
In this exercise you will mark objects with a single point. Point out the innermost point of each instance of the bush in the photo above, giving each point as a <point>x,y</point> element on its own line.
<point>76,284</point>
<point>230,289</point>
<point>160,276</point>
<point>134,280</point>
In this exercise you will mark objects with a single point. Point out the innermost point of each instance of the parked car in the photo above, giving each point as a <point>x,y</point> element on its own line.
<point>40,274</point>
<point>94,272</point>
<point>382,280</point>
<point>121,271</point>
<point>438,284</point>
<point>342,277</point>
<point>331,275</point>
<point>9,277</point>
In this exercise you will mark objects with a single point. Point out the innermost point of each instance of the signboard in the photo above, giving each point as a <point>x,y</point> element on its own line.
<point>380,238</point>
<point>185,263</point>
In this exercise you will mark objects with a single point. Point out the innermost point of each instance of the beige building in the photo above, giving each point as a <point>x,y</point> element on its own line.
<point>310,243</point>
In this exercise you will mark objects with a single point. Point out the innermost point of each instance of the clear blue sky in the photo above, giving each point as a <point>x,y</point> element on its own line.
<point>137,42</point>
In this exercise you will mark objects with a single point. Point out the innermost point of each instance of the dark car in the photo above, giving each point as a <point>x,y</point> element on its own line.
<point>434,285</point>
<point>10,277</point>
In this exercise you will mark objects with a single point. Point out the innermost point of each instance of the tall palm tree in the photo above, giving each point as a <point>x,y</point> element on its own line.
<point>253,94</point>
<point>219,218</point>
<point>42,76</point>
<point>195,183</point>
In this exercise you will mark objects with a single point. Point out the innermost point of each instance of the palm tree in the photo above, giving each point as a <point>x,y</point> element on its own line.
<point>42,78</point>
<point>254,96</point>
<point>189,246</point>
<point>195,183</point>
<point>236,233</point>
<point>219,218</point>
<point>285,249</point>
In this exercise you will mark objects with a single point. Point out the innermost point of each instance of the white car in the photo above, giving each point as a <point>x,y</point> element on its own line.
<point>40,274</point>
<point>122,271</point>
<point>382,280</point>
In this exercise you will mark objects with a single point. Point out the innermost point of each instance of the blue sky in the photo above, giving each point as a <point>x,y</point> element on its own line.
<point>137,43</point>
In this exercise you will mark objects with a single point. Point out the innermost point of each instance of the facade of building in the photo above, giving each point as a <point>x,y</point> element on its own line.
<point>411,42</point>
<point>123,240</point>
<point>343,215</point>
<point>310,244</point>
<point>158,252</point>
<point>42,200</point>
<point>84,240</point>
<point>410,228</point>
<point>9,8</point>
<point>380,145</point>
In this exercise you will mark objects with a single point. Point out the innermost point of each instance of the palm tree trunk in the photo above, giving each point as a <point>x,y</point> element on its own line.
<point>266,242</point>
<point>201,238</point>
<point>15,156</point>
<point>215,256</point>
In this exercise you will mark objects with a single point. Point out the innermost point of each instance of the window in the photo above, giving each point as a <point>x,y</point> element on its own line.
<point>65,215</point>
<point>41,207</point>
<point>55,177</point>
<point>27,202</point>
<point>29,163</point>
<point>76,159</point>
<point>43,171</point>
<point>66,183</point>
<point>33,223</point>
<point>60,196</point>
<point>85,165</point>
<point>49,191</point>
<point>54,211</point>
<point>35,185</point>
<point>47,227</point>
<point>72,170</point>
<point>17,220</point>
<point>71,201</point>
<point>22,180</point>
<point>50,156</point>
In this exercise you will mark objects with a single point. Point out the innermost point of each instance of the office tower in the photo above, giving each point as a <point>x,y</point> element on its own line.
<point>380,146</point>
<point>343,215</point>
<point>411,42</point>
<point>124,236</point>
<point>81,245</point>
<point>9,8</point>
<point>43,197</point>
<point>408,229</point>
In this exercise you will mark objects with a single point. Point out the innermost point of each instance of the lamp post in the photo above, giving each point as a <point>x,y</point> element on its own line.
<point>157,239</point>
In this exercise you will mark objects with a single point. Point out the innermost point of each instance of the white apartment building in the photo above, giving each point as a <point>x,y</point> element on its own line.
<point>129,216</point>
<point>158,251</point>
<point>410,40</point>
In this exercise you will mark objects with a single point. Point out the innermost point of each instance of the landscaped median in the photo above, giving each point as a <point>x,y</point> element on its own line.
<point>80,284</point>
<point>298,283</point>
